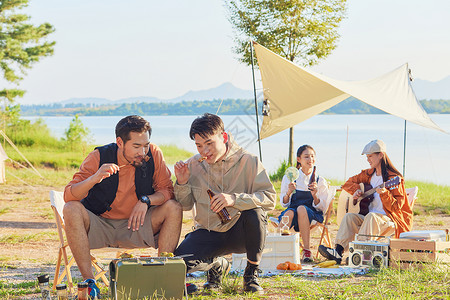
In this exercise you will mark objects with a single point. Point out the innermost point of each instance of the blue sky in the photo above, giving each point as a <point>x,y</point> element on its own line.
<point>119,49</point>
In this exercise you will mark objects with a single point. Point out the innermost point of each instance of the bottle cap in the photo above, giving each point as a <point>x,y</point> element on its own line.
<point>43,278</point>
<point>61,286</point>
<point>82,285</point>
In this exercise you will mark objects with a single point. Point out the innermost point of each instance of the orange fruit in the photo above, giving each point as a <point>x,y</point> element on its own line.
<point>292,266</point>
<point>282,266</point>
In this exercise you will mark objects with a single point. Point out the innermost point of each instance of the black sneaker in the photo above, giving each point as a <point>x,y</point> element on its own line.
<point>220,268</point>
<point>251,279</point>
<point>330,254</point>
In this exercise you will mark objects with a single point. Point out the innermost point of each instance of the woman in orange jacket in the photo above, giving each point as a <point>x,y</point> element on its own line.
<point>388,205</point>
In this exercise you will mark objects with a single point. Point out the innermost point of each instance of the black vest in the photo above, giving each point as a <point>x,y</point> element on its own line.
<point>102,195</point>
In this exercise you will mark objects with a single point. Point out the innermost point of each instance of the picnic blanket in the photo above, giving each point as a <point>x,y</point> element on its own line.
<point>307,271</point>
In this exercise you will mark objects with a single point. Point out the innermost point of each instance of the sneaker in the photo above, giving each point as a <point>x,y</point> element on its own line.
<point>191,288</point>
<point>251,279</point>
<point>215,274</point>
<point>307,256</point>
<point>93,290</point>
<point>274,221</point>
<point>330,254</point>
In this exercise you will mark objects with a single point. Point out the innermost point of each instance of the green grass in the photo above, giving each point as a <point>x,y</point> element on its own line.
<point>57,158</point>
<point>4,210</point>
<point>431,197</point>
<point>430,282</point>
<point>13,290</point>
<point>14,238</point>
<point>172,153</point>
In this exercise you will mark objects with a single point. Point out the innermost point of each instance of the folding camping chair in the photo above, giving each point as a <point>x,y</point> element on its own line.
<point>411,194</point>
<point>323,227</point>
<point>57,203</point>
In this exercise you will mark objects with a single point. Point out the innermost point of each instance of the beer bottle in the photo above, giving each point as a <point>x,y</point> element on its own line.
<point>313,176</point>
<point>223,214</point>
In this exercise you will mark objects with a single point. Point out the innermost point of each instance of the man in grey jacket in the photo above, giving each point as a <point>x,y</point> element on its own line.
<point>241,185</point>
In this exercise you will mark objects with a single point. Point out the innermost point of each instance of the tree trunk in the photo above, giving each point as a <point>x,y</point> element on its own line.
<point>291,146</point>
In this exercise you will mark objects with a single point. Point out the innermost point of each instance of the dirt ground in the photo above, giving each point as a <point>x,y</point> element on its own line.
<point>29,241</point>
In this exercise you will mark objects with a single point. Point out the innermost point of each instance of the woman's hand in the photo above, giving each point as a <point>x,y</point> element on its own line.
<point>291,188</point>
<point>357,194</point>
<point>381,190</point>
<point>313,188</point>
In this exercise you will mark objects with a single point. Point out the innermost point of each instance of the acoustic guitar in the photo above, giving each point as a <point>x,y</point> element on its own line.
<point>360,205</point>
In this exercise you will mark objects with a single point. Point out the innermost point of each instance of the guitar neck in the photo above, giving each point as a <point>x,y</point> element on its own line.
<point>370,192</point>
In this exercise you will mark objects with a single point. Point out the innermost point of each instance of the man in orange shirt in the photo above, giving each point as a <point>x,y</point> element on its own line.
<point>122,196</point>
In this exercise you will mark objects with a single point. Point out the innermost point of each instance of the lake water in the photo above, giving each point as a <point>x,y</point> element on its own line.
<point>427,151</point>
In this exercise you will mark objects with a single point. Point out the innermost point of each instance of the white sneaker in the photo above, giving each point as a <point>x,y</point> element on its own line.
<point>274,221</point>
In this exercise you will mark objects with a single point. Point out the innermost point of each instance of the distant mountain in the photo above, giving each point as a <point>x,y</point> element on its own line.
<point>424,90</point>
<point>432,90</point>
<point>223,91</point>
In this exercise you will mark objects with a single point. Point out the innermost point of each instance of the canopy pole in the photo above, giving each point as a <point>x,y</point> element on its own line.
<point>346,156</point>
<point>404,149</point>
<point>256,103</point>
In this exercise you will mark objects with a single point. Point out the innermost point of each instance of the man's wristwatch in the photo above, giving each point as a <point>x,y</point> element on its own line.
<point>145,199</point>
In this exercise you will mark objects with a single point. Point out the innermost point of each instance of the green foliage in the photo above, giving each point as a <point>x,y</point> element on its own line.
<point>279,173</point>
<point>22,45</point>
<point>302,31</point>
<point>25,133</point>
<point>22,42</point>
<point>436,106</point>
<point>77,135</point>
<point>228,107</point>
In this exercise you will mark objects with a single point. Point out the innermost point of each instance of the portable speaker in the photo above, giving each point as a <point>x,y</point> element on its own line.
<point>368,253</point>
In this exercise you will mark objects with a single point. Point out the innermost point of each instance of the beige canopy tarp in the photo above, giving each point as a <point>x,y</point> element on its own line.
<point>296,94</point>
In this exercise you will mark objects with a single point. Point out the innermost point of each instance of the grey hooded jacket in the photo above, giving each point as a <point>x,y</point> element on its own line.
<point>239,174</point>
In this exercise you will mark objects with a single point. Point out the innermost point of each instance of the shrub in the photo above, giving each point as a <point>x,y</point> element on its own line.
<point>279,173</point>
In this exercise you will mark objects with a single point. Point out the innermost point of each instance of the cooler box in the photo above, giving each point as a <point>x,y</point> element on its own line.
<point>277,249</point>
<point>149,278</point>
<point>427,235</point>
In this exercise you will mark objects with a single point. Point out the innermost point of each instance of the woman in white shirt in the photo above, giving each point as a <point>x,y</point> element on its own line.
<point>309,201</point>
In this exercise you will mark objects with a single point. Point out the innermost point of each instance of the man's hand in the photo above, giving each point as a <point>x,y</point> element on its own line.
<point>357,194</point>
<point>105,171</point>
<point>137,216</point>
<point>182,172</point>
<point>220,201</point>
